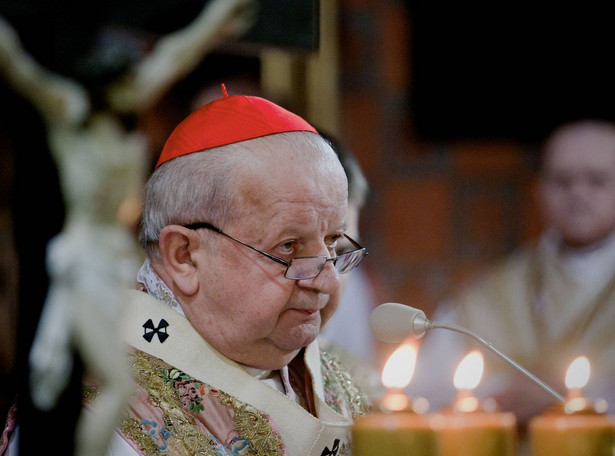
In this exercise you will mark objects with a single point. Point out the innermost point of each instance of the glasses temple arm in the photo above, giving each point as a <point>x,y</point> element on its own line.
<point>195,226</point>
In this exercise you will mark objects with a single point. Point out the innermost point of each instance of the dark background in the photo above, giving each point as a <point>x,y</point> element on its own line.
<point>508,71</point>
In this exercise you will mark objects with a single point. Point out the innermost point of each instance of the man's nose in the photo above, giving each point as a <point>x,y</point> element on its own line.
<point>327,282</point>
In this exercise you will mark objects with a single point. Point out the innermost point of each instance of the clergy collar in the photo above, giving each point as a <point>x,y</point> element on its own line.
<point>156,287</point>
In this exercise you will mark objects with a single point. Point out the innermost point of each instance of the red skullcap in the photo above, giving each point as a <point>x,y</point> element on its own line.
<point>228,120</point>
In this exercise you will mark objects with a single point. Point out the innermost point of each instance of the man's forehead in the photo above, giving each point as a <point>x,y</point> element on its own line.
<point>288,170</point>
<point>301,224</point>
<point>582,156</point>
<point>291,192</point>
<point>581,149</point>
<point>285,159</point>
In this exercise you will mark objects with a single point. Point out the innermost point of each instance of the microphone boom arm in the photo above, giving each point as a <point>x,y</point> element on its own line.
<point>434,324</point>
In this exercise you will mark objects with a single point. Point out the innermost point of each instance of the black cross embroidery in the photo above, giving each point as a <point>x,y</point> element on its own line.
<point>333,451</point>
<point>161,330</point>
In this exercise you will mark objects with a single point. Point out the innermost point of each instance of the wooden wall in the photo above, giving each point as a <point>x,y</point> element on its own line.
<point>438,211</point>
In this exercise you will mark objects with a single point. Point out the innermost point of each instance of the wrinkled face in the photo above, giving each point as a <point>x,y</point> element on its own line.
<point>290,205</point>
<point>578,186</point>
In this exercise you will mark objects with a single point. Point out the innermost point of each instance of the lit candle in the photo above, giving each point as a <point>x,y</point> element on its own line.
<point>471,427</point>
<point>397,428</point>
<point>580,427</point>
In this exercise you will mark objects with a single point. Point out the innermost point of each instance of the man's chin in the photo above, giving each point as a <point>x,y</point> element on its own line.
<point>298,337</point>
<point>283,350</point>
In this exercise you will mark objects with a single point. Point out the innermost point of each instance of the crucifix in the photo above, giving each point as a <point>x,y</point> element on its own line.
<point>102,166</point>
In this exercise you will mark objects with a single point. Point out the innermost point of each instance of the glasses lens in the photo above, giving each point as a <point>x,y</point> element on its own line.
<point>310,267</point>
<point>346,262</point>
<point>305,268</point>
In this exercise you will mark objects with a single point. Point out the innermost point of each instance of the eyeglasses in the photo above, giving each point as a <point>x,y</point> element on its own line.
<point>302,268</point>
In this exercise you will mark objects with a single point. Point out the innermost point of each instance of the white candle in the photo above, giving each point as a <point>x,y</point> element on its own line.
<point>396,429</point>
<point>468,428</point>
<point>578,428</point>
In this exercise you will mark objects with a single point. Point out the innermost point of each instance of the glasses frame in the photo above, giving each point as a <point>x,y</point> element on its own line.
<point>288,264</point>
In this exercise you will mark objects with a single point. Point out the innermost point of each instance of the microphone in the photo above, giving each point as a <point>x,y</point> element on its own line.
<point>393,322</point>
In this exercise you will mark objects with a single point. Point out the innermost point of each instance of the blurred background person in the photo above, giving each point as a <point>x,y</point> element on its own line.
<point>549,302</point>
<point>348,328</point>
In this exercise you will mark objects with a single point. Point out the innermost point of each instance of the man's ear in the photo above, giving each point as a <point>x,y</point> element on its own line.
<point>177,244</point>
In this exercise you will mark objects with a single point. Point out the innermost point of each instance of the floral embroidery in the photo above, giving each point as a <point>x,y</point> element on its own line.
<point>342,394</point>
<point>174,413</point>
<point>181,423</point>
<point>131,428</point>
<point>9,428</point>
<point>190,390</point>
<point>159,436</point>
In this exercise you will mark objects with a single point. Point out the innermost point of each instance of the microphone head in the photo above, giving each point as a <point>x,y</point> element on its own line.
<point>393,322</point>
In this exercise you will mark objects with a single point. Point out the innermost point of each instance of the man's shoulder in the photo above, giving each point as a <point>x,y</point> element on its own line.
<point>513,267</point>
<point>505,282</point>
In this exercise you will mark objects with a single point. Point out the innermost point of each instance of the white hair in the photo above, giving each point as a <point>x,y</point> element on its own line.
<point>201,186</point>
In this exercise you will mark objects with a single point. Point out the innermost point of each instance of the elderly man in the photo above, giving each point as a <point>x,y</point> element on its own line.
<point>242,220</point>
<point>551,301</point>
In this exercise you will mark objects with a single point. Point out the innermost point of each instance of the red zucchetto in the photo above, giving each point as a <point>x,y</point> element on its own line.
<point>228,120</point>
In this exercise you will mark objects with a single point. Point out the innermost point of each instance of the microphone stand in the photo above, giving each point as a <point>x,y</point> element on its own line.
<point>434,324</point>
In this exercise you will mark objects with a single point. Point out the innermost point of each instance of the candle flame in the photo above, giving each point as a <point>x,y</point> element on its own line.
<point>469,371</point>
<point>399,368</point>
<point>577,374</point>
